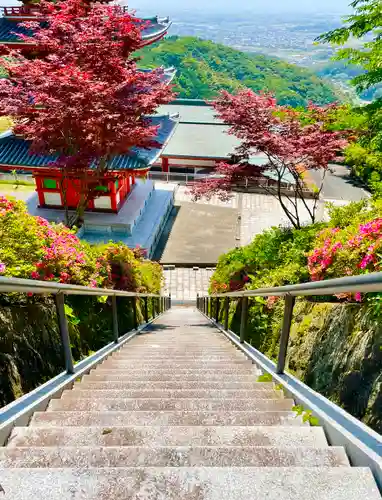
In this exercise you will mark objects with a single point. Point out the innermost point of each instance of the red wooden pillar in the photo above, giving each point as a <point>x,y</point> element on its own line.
<point>165,165</point>
<point>113,195</point>
<point>39,189</point>
<point>133,179</point>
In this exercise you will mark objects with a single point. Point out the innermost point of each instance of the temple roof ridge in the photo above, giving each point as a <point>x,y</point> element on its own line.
<point>15,150</point>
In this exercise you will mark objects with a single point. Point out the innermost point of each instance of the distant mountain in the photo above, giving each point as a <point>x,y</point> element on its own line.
<point>206,67</point>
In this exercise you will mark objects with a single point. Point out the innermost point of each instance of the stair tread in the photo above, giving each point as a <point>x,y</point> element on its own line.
<point>123,404</point>
<point>337,483</point>
<point>171,384</point>
<point>157,377</point>
<point>172,456</point>
<point>171,394</point>
<point>165,418</point>
<point>165,436</point>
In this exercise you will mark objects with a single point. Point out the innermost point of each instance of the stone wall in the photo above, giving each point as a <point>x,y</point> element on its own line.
<point>30,343</point>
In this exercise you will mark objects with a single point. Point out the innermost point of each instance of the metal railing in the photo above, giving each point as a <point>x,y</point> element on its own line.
<point>160,303</point>
<point>210,304</point>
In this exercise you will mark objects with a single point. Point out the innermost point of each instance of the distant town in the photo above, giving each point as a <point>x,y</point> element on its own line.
<point>287,37</point>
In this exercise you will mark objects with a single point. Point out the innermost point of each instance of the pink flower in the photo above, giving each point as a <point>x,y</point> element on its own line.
<point>2,268</point>
<point>35,275</point>
<point>358,297</point>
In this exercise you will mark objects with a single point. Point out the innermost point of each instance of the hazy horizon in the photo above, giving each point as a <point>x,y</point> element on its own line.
<point>164,7</point>
<point>255,6</point>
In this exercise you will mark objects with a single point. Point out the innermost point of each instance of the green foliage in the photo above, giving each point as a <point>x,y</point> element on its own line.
<point>274,258</point>
<point>31,247</point>
<point>72,318</point>
<point>205,67</point>
<point>365,24</point>
<point>307,415</point>
<point>20,242</point>
<point>342,216</point>
<point>266,377</point>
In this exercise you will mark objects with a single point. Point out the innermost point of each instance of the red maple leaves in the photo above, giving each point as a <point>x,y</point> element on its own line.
<point>292,142</point>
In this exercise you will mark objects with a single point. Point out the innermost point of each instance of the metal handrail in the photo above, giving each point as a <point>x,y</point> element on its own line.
<point>365,283</point>
<point>19,285</point>
<point>22,285</point>
<point>351,284</point>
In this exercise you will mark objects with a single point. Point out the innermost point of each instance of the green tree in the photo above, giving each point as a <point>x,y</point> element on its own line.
<point>205,68</point>
<point>364,24</point>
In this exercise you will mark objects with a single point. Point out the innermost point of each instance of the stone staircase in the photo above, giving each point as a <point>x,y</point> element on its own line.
<point>183,283</point>
<point>176,413</point>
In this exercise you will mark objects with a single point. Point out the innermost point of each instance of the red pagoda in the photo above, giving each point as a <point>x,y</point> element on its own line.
<point>115,186</point>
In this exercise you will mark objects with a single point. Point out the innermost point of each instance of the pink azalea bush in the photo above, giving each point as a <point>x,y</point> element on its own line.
<point>355,249</point>
<point>31,247</point>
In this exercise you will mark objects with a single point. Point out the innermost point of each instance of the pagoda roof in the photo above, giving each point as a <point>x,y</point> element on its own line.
<point>167,77</point>
<point>9,29</point>
<point>15,151</point>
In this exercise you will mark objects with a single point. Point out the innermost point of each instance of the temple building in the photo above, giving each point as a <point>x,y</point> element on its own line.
<point>54,190</point>
<point>155,27</point>
<point>126,207</point>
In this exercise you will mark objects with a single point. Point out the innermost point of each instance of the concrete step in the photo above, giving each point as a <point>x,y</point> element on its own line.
<point>228,356</point>
<point>183,418</point>
<point>178,372</point>
<point>146,363</point>
<point>129,351</point>
<point>286,483</point>
<point>175,384</point>
<point>169,364</point>
<point>101,375</point>
<point>170,394</point>
<point>227,405</point>
<point>185,456</point>
<point>278,436</point>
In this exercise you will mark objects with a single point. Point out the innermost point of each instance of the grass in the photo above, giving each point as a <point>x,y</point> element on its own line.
<point>5,123</point>
<point>12,189</point>
<point>16,183</point>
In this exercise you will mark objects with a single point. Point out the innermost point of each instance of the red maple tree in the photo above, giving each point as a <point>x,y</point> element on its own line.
<point>82,97</point>
<point>292,142</point>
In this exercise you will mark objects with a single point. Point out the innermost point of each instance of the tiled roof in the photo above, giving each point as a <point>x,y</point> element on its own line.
<point>8,28</point>
<point>168,76</point>
<point>157,28</point>
<point>15,150</point>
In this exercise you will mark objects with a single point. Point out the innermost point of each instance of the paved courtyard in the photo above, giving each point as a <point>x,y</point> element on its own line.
<point>232,223</point>
<point>200,234</point>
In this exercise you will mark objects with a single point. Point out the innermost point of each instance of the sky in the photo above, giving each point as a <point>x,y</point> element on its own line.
<point>261,6</point>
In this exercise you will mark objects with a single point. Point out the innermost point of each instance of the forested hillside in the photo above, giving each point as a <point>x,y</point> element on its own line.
<point>205,67</point>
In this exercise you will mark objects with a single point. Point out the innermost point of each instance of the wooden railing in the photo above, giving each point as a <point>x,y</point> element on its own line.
<point>20,11</point>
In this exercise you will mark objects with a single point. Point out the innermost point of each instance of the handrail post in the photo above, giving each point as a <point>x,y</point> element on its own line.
<point>64,331</point>
<point>217,305</point>
<point>285,332</point>
<point>146,310</point>
<point>226,313</point>
<point>135,318</point>
<point>197,302</point>
<point>244,318</point>
<point>115,318</point>
<point>153,305</point>
<point>169,301</point>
